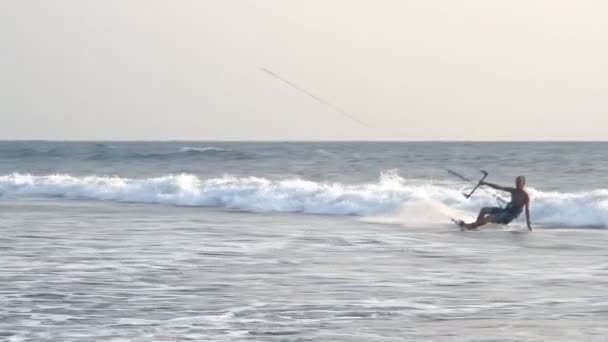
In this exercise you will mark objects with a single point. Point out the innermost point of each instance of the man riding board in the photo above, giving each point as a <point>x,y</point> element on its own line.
<point>519,200</point>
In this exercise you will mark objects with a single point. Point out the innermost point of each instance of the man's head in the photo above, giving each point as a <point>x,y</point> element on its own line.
<point>520,182</point>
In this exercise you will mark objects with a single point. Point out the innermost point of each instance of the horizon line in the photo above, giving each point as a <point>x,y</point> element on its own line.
<point>308,141</point>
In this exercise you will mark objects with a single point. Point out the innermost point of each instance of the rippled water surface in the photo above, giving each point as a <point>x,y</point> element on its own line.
<point>85,259</point>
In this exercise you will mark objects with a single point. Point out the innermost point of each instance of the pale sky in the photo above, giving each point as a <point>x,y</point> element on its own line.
<point>411,70</point>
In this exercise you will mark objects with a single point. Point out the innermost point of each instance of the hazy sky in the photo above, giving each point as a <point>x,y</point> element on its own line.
<point>411,70</point>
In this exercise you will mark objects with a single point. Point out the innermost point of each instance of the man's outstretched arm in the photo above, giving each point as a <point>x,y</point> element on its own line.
<point>528,215</point>
<point>497,187</point>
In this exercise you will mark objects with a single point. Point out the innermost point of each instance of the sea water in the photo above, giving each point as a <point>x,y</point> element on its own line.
<point>323,241</point>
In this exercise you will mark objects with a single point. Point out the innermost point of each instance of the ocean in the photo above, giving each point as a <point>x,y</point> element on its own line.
<point>299,241</point>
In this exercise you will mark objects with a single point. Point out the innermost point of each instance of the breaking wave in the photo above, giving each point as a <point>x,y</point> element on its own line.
<point>256,194</point>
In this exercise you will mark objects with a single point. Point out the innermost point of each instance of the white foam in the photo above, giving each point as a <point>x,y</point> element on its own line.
<point>203,149</point>
<point>324,152</point>
<point>391,198</point>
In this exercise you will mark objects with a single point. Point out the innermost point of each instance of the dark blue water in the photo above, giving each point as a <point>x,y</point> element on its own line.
<point>563,166</point>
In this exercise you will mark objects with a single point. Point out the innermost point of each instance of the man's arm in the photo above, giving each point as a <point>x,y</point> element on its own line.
<point>528,214</point>
<point>498,187</point>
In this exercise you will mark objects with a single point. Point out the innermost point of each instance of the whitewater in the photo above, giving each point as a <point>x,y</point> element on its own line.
<point>390,195</point>
<point>302,241</point>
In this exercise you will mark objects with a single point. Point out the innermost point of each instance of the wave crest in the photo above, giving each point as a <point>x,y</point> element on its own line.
<point>383,197</point>
<point>189,149</point>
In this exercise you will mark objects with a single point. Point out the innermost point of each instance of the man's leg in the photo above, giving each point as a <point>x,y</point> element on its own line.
<point>484,217</point>
<point>478,223</point>
<point>483,212</point>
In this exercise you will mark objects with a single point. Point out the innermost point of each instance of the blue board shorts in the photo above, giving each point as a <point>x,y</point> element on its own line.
<point>502,215</point>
